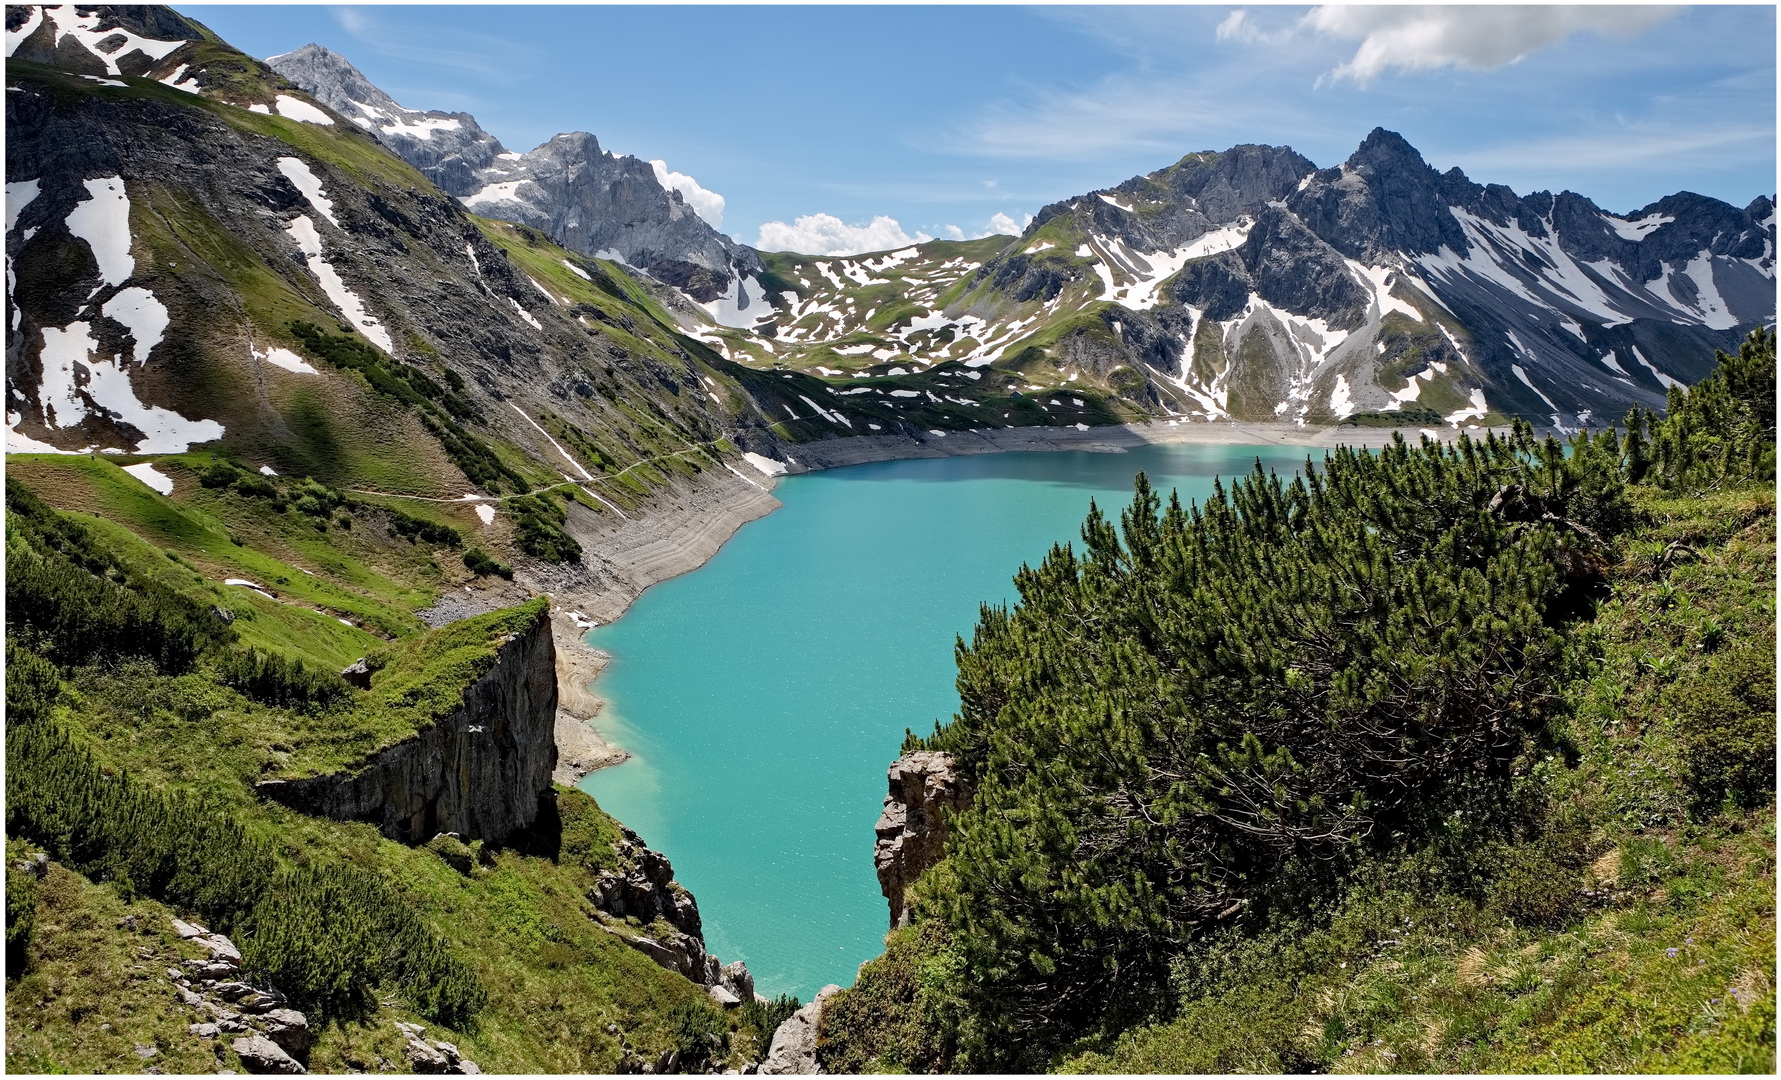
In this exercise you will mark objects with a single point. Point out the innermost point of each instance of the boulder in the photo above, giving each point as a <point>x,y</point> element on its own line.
<point>288,1028</point>
<point>261,1055</point>
<point>793,1052</point>
<point>358,673</point>
<point>723,996</point>
<point>204,1031</point>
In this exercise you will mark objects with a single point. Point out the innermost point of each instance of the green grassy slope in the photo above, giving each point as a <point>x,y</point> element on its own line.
<point>555,990</point>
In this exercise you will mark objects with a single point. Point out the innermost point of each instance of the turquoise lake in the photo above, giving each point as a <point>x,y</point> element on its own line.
<point>764,694</point>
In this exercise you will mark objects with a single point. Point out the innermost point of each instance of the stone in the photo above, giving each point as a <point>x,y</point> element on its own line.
<point>289,1029</point>
<point>260,1001</point>
<point>793,1052</point>
<point>261,1055</point>
<point>204,1031</point>
<point>925,787</point>
<point>186,997</point>
<point>188,930</point>
<point>724,996</point>
<point>145,1052</point>
<point>130,923</point>
<point>358,673</point>
<point>423,1057</point>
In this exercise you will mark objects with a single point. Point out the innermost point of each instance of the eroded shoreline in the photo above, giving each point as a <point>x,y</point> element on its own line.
<point>623,559</point>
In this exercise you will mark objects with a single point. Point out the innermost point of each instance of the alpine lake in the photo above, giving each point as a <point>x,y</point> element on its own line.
<point>764,695</point>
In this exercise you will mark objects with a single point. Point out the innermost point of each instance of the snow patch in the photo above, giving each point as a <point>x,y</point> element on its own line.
<point>1378,281</point>
<point>286,359</point>
<point>102,219</point>
<point>573,269</point>
<point>766,465</point>
<point>421,127</point>
<point>1636,230</point>
<point>1476,412</point>
<point>145,472</point>
<point>486,513</point>
<point>505,191</point>
<point>73,367</point>
<point>1649,366</point>
<point>302,230</point>
<point>145,317</point>
<point>297,172</point>
<point>298,109</point>
<point>84,29</point>
<point>1340,403</point>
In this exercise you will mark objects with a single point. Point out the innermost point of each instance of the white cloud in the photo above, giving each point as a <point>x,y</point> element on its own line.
<point>826,234</point>
<point>953,232</point>
<point>706,203</point>
<point>1480,38</point>
<point>1007,226</point>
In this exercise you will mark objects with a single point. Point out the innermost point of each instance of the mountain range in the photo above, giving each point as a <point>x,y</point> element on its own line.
<point>1247,284</point>
<point>567,283</point>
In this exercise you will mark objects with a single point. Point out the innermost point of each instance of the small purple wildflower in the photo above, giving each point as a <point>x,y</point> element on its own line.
<point>1671,952</point>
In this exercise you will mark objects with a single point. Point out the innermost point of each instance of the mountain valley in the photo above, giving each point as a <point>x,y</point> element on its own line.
<point>333,426</point>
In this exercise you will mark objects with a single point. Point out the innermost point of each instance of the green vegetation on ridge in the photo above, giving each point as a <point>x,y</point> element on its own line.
<point>1444,759</point>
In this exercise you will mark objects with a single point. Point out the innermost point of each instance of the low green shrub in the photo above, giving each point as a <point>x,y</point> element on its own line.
<point>479,563</point>
<point>282,681</point>
<point>1724,718</point>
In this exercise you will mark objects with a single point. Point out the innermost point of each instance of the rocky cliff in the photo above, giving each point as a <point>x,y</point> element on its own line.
<point>477,771</point>
<point>925,787</point>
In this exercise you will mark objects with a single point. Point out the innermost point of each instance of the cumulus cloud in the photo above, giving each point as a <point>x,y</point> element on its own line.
<point>953,232</point>
<point>826,234</point>
<point>706,203</point>
<point>1480,38</point>
<point>1007,226</point>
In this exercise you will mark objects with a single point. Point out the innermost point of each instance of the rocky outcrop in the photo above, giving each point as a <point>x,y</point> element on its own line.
<point>478,771</point>
<point>925,787</point>
<point>433,1056</point>
<point>272,1037</point>
<point>644,890</point>
<point>793,1052</point>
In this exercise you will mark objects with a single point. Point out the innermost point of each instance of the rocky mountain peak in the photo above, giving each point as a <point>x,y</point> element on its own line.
<point>584,197</point>
<point>331,79</point>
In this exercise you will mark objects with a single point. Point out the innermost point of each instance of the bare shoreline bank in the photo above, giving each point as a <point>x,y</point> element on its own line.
<point>627,558</point>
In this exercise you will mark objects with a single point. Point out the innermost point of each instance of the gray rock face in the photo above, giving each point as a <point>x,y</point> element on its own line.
<point>450,148</point>
<point>585,198</point>
<point>925,786</point>
<point>477,772</point>
<point>793,1052</point>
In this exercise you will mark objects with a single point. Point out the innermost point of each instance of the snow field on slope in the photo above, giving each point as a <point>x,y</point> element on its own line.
<point>309,242</point>
<point>103,221</point>
<point>108,385</point>
<point>297,172</point>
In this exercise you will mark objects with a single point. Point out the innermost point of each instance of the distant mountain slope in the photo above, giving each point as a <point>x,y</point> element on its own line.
<point>589,200</point>
<point>201,255</point>
<point>1252,285</point>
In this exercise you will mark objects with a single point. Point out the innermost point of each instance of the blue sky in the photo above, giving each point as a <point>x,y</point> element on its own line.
<point>836,127</point>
